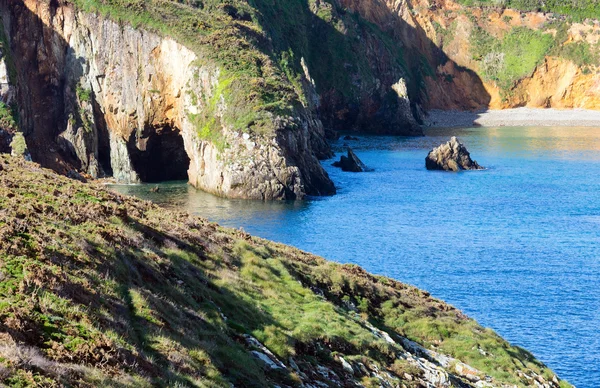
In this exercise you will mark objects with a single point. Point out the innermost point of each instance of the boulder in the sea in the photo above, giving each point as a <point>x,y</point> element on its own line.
<point>351,163</point>
<point>348,137</point>
<point>451,156</point>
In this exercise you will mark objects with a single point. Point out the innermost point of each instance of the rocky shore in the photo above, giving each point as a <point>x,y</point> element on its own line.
<point>518,117</point>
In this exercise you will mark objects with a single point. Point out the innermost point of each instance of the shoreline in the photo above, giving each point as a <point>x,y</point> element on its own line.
<point>515,117</point>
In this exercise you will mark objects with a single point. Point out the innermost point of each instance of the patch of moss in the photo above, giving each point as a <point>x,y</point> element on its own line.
<point>8,118</point>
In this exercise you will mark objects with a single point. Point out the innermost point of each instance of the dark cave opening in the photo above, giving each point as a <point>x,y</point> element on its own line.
<point>159,155</point>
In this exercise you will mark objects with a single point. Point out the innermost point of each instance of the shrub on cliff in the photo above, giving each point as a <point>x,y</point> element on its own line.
<point>577,10</point>
<point>511,58</point>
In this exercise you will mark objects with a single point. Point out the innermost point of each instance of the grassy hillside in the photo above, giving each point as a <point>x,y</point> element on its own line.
<point>98,289</point>
<point>574,9</point>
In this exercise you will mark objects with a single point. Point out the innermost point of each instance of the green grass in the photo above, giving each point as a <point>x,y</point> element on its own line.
<point>136,295</point>
<point>520,51</point>
<point>581,53</point>
<point>18,144</point>
<point>8,118</point>
<point>576,10</point>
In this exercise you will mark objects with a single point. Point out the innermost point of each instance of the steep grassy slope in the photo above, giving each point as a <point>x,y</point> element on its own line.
<point>101,289</point>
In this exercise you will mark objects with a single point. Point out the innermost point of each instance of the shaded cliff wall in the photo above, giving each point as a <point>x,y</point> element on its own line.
<point>408,24</point>
<point>361,73</point>
<point>107,99</point>
<point>8,124</point>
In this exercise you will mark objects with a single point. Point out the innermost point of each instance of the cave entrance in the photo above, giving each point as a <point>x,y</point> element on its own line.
<point>159,155</point>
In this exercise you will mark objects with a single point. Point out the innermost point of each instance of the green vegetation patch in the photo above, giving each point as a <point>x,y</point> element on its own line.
<point>8,118</point>
<point>576,10</point>
<point>512,58</point>
<point>582,54</point>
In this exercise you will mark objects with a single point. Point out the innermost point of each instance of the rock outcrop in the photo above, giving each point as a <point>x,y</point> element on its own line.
<point>105,98</point>
<point>351,163</point>
<point>451,156</point>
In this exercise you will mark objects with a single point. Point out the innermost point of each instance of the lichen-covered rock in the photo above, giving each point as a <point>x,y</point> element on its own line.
<point>451,156</point>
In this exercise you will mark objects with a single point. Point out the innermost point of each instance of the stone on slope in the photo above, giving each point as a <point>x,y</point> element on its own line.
<point>451,156</point>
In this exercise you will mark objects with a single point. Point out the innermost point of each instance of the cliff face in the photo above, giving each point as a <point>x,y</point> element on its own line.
<point>101,290</point>
<point>364,78</point>
<point>538,60</point>
<point>109,99</point>
<point>104,98</point>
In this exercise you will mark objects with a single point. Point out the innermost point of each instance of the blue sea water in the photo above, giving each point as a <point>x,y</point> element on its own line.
<point>516,246</point>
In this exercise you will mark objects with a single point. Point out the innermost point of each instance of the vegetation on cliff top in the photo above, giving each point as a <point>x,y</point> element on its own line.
<point>509,59</point>
<point>258,46</point>
<point>101,289</point>
<point>575,9</point>
<point>507,52</point>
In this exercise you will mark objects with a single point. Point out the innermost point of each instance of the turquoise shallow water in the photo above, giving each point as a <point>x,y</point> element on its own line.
<point>516,246</point>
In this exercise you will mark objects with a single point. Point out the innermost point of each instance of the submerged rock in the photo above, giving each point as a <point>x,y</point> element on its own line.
<point>351,163</point>
<point>451,156</point>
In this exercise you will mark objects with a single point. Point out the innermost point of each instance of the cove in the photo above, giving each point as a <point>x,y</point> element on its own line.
<point>516,246</point>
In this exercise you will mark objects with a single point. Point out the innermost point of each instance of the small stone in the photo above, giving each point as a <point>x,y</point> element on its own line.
<point>346,365</point>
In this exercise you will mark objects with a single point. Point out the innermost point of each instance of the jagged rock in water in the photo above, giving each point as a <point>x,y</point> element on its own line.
<point>351,163</point>
<point>451,156</point>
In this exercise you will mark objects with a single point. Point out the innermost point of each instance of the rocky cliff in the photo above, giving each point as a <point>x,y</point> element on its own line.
<point>521,58</point>
<point>239,97</point>
<point>101,290</point>
<point>108,99</point>
<point>223,95</point>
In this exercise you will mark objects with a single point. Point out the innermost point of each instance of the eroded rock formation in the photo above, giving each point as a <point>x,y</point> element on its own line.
<point>103,98</point>
<point>109,99</point>
<point>451,156</point>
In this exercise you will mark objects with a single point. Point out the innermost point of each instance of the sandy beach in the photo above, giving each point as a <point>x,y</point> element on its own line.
<point>517,117</point>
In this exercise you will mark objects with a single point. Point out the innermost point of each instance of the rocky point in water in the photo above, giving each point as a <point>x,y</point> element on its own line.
<point>451,156</point>
<point>351,163</point>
